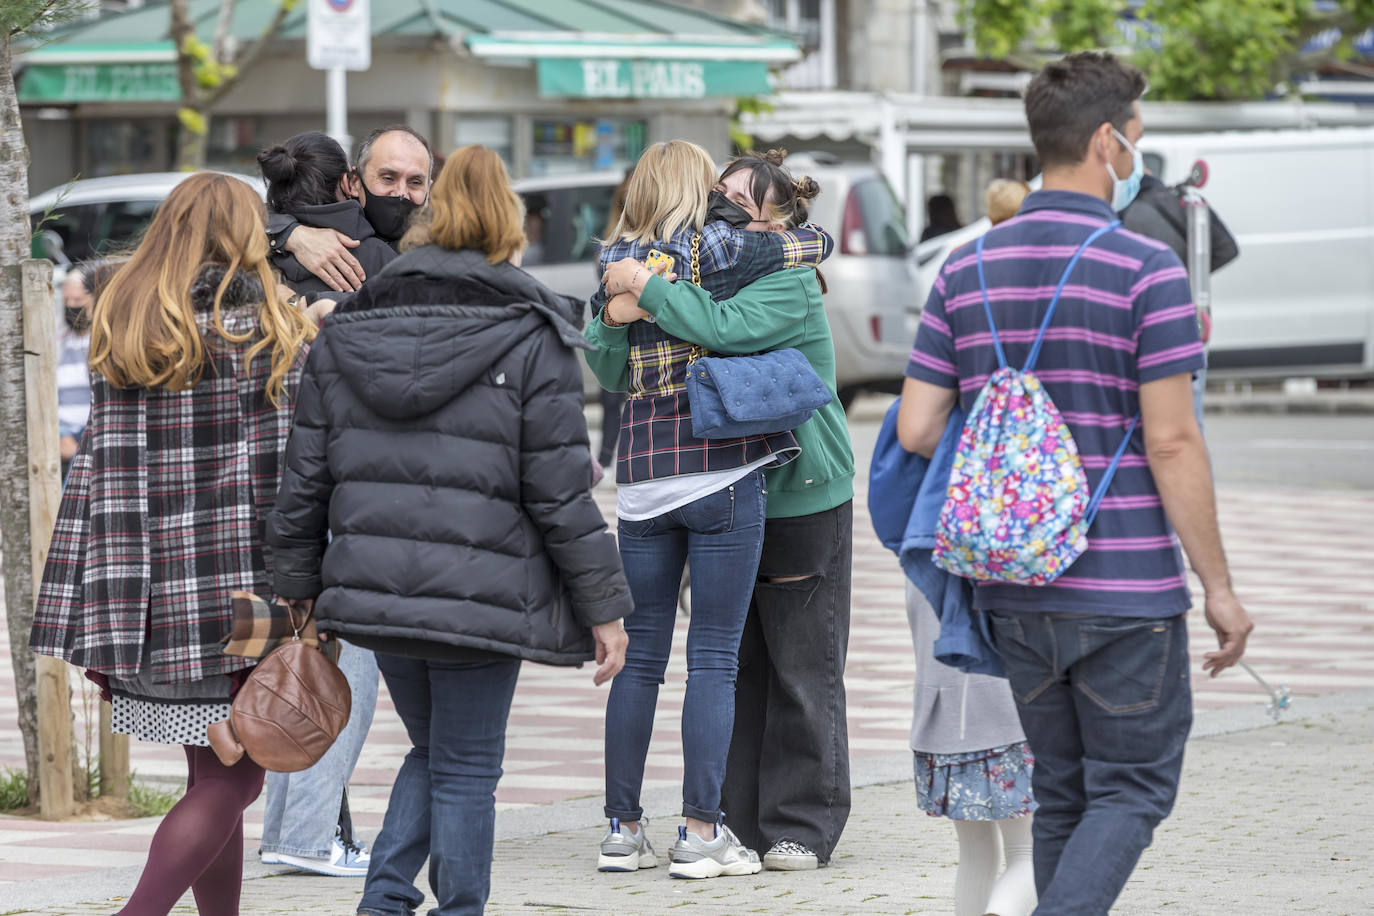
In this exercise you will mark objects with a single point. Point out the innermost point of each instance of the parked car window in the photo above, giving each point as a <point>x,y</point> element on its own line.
<point>121,225</point>
<point>562,224</point>
<point>884,222</point>
<point>73,227</point>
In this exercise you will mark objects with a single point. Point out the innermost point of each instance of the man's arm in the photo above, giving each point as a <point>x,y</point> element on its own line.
<point>323,252</point>
<point>1183,475</point>
<point>922,417</point>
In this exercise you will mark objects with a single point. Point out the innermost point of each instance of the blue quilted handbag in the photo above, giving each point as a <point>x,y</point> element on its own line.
<point>733,396</point>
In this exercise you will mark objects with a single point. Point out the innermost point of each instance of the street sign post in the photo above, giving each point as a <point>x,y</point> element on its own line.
<point>338,38</point>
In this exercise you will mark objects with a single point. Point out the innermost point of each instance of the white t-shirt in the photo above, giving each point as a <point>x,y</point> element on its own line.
<point>636,502</point>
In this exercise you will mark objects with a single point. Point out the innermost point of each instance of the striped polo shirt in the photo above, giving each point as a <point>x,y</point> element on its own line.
<point>1125,318</point>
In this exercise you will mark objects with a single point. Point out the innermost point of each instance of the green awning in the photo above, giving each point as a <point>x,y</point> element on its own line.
<point>594,78</point>
<point>659,49</point>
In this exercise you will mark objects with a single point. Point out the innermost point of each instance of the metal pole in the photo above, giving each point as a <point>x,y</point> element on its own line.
<point>1199,217</point>
<point>336,106</point>
<point>892,150</point>
<point>1199,242</point>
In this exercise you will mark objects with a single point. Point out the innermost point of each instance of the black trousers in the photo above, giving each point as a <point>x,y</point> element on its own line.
<point>788,772</point>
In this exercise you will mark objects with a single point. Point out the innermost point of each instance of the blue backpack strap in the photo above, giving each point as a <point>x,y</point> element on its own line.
<point>1063,281</point>
<point>987,307</point>
<point>1096,501</point>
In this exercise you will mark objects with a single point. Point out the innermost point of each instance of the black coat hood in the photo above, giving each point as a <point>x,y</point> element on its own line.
<point>433,322</point>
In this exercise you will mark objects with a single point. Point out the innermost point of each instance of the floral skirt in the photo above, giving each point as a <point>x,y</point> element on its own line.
<point>990,785</point>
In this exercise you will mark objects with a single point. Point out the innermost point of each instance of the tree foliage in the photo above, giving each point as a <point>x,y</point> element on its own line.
<point>20,17</point>
<point>1190,49</point>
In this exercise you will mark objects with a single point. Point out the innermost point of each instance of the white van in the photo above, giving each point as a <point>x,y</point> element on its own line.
<point>1300,298</point>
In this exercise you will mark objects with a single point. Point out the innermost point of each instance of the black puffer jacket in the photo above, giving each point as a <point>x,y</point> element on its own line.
<point>439,435</point>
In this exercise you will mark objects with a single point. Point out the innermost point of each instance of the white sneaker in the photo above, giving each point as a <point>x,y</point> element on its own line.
<point>694,857</point>
<point>343,861</point>
<point>270,858</point>
<point>622,850</point>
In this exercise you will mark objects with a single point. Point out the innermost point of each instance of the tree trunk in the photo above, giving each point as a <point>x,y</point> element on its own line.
<point>192,146</point>
<point>14,440</point>
<point>192,121</point>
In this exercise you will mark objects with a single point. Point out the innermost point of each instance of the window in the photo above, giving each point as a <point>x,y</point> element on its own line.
<point>120,227</point>
<point>563,147</point>
<point>72,227</point>
<point>563,224</point>
<point>129,146</point>
<point>874,222</point>
<point>493,133</point>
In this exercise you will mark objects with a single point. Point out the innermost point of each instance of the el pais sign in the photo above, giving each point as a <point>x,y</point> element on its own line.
<point>650,79</point>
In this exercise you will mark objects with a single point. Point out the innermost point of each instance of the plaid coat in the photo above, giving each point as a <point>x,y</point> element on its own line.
<point>163,513</point>
<point>656,438</point>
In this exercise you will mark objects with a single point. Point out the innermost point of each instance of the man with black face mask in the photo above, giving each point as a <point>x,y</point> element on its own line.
<point>391,179</point>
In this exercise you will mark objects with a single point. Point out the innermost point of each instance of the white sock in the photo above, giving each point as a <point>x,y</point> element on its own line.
<point>979,861</point>
<point>1014,892</point>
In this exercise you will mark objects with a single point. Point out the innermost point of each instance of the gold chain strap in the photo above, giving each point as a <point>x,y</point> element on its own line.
<point>697,352</point>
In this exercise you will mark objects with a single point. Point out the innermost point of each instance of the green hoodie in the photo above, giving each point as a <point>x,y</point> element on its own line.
<point>783,309</point>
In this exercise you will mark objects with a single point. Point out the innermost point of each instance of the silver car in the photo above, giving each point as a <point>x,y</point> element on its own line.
<point>100,216</point>
<point>872,287</point>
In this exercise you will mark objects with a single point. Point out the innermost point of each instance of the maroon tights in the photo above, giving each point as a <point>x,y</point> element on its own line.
<point>199,844</point>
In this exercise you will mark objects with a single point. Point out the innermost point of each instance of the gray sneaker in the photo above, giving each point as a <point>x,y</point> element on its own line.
<point>625,851</point>
<point>693,857</point>
<point>789,855</point>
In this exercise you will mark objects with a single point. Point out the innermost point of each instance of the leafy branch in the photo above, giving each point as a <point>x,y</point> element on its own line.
<point>1190,49</point>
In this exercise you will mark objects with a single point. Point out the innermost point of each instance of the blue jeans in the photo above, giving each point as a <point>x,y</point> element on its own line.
<point>303,808</point>
<point>722,534</point>
<point>443,803</point>
<point>1106,706</point>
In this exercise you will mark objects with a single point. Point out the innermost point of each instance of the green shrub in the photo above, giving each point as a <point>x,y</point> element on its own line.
<point>14,789</point>
<point>148,801</point>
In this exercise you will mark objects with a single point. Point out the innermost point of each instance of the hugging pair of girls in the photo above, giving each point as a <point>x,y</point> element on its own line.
<point>764,521</point>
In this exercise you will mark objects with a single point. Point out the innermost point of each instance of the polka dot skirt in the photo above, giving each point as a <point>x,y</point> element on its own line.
<point>166,722</point>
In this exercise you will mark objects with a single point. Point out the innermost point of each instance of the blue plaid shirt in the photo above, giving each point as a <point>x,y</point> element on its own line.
<point>656,423</point>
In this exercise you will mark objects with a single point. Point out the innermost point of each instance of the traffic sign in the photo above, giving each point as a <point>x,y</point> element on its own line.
<point>339,34</point>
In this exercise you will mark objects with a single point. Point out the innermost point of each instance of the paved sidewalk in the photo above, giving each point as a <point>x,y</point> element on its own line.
<point>1271,820</point>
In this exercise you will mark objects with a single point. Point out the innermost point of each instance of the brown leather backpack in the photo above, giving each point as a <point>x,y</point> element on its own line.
<point>289,710</point>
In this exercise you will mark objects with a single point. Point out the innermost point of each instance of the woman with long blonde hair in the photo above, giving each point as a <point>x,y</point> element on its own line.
<point>681,498</point>
<point>195,365</point>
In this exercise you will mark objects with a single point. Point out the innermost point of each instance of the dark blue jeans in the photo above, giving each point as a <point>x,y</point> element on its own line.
<point>443,804</point>
<point>722,534</point>
<point>1106,706</point>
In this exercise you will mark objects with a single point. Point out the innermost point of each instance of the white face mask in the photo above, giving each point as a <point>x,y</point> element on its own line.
<point>1125,191</point>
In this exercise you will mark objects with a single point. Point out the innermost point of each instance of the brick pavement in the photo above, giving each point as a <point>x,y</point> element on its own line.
<point>1293,553</point>
<point>1249,835</point>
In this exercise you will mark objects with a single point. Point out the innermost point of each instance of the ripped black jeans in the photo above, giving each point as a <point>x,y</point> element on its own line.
<point>788,772</point>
